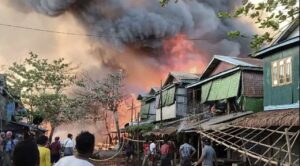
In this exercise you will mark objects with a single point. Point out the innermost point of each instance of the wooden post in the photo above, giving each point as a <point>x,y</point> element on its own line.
<point>199,147</point>
<point>288,146</point>
<point>161,114</point>
<point>228,107</point>
<point>131,111</point>
<point>194,102</point>
<point>138,138</point>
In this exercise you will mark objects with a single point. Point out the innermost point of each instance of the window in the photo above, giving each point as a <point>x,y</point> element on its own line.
<point>288,70</point>
<point>282,72</point>
<point>274,74</point>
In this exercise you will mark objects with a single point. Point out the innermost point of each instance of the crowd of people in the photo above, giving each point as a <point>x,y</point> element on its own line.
<point>163,154</point>
<point>40,152</point>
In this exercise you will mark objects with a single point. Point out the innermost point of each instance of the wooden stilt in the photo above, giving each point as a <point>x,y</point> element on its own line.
<point>288,146</point>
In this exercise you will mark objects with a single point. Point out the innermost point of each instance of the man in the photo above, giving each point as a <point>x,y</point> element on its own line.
<point>85,142</point>
<point>152,152</point>
<point>2,138</point>
<point>164,152</point>
<point>172,151</point>
<point>26,153</point>
<point>186,152</point>
<point>44,152</point>
<point>208,156</point>
<point>68,146</point>
<point>146,148</point>
<point>55,148</point>
<point>8,147</point>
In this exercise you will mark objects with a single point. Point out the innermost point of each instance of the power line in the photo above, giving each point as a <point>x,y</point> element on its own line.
<point>57,32</point>
<point>81,34</point>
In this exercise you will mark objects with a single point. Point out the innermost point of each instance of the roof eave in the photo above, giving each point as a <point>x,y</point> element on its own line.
<point>263,52</point>
<point>225,73</point>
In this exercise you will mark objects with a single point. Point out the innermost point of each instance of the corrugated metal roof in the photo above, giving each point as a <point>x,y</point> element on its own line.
<point>240,61</point>
<point>184,76</point>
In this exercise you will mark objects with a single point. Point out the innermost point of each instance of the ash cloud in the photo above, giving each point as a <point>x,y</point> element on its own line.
<point>144,24</point>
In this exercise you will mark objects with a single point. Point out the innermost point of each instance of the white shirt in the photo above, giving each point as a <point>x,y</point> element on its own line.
<point>72,161</point>
<point>68,143</point>
<point>152,148</point>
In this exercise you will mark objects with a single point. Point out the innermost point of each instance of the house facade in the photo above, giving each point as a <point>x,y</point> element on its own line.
<point>174,96</point>
<point>228,84</point>
<point>281,71</point>
<point>148,105</point>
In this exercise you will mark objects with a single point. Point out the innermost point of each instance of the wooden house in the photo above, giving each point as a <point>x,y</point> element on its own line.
<point>148,104</point>
<point>228,84</point>
<point>174,96</point>
<point>270,137</point>
<point>281,70</point>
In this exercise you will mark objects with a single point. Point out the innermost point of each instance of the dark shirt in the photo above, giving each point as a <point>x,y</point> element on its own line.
<point>55,147</point>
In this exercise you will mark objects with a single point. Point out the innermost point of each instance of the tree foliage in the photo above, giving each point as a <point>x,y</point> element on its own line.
<point>40,85</point>
<point>99,96</point>
<point>268,15</point>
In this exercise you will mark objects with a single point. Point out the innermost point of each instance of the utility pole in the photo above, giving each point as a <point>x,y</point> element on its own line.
<point>161,114</point>
<point>138,137</point>
<point>131,111</point>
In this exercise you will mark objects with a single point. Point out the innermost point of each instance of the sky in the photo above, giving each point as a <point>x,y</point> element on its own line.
<point>15,44</point>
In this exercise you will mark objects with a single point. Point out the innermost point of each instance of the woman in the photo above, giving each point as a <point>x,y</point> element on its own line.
<point>44,152</point>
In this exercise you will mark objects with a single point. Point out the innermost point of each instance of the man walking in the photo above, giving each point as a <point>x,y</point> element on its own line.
<point>186,152</point>
<point>85,143</point>
<point>164,152</point>
<point>208,157</point>
<point>55,148</point>
<point>68,146</point>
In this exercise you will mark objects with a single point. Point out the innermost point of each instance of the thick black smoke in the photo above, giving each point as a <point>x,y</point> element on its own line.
<point>143,24</point>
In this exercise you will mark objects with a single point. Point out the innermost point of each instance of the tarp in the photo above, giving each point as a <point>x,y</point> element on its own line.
<point>205,91</point>
<point>145,110</point>
<point>222,88</point>
<point>168,97</point>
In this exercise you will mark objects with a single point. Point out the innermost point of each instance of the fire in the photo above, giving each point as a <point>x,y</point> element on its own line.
<point>183,55</point>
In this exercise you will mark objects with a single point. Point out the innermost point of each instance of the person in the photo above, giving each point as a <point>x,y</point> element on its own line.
<point>44,152</point>
<point>26,153</point>
<point>8,147</point>
<point>146,149</point>
<point>152,149</point>
<point>208,156</point>
<point>2,138</point>
<point>55,148</point>
<point>68,145</point>
<point>85,143</point>
<point>172,151</point>
<point>186,152</point>
<point>164,152</point>
<point>129,151</point>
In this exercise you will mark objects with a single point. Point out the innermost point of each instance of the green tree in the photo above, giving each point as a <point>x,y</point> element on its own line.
<point>40,85</point>
<point>268,15</point>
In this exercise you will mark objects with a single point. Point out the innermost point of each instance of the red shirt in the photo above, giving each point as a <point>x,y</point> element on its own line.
<point>164,149</point>
<point>146,148</point>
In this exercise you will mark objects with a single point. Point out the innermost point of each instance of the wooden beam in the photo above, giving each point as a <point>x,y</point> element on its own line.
<point>255,128</point>
<point>237,149</point>
<point>281,147</point>
<point>288,146</point>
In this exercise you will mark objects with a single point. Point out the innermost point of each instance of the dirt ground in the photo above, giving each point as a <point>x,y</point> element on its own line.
<point>120,160</point>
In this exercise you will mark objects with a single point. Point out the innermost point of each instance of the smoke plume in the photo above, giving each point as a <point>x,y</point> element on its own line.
<point>140,36</point>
